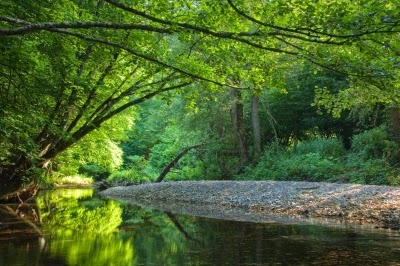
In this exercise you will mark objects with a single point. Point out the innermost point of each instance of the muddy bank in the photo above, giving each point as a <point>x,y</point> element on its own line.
<point>270,200</point>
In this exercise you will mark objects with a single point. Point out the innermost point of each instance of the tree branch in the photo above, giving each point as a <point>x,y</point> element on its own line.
<point>236,36</point>
<point>86,129</point>
<point>307,31</point>
<point>140,100</point>
<point>92,93</point>
<point>111,100</point>
<point>142,56</point>
<point>29,28</point>
<point>171,164</point>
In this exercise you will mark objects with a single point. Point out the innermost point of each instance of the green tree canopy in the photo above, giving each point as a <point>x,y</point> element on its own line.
<point>69,66</point>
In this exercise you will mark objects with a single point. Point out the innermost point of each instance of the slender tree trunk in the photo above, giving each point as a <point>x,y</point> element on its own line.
<point>255,119</point>
<point>394,116</point>
<point>271,121</point>
<point>238,127</point>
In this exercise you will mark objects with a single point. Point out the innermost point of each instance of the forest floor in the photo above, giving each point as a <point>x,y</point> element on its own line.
<point>270,201</point>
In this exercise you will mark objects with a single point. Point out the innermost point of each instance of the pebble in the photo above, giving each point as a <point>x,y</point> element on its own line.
<point>353,203</point>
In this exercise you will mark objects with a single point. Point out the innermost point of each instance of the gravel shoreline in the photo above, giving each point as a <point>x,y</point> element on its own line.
<point>270,201</point>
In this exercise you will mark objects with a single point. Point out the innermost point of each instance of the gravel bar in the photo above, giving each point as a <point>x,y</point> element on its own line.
<point>269,201</point>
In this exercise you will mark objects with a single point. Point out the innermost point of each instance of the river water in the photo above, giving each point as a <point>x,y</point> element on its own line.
<point>74,227</point>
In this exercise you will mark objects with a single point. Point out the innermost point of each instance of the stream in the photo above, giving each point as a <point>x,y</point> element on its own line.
<point>75,227</point>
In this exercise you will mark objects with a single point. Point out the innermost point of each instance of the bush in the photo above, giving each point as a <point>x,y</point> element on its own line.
<point>98,172</point>
<point>325,147</point>
<point>372,172</point>
<point>57,179</point>
<point>372,160</point>
<point>375,144</point>
<point>131,176</point>
<point>138,172</point>
<point>309,161</point>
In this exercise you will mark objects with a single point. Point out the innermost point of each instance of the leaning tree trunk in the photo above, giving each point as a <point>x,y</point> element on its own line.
<point>171,164</point>
<point>238,127</point>
<point>17,181</point>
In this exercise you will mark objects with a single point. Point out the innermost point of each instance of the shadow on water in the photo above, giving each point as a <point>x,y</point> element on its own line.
<point>74,227</point>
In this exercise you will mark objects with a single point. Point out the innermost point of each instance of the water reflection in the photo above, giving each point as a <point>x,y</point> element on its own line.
<point>75,228</point>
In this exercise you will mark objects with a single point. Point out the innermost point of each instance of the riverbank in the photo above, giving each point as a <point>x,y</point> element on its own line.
<point>249,200</point>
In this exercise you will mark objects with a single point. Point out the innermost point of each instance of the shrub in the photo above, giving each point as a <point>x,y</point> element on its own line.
<point>138,172</point>
<point>374,158</point>
<point>309,161</point>
<point>98,172</point>
<point>130,175</point>
<point>57,179</point>
<point>370,161</point>
<point>375,143</point>
<point>331,147</point>
<point>372,172</point>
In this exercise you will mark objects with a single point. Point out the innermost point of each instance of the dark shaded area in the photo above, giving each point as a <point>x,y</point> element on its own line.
<point>22,241</point>
<point>224,242</point>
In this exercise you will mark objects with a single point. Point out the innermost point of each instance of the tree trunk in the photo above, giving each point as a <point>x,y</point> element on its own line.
<point>255,119</point>
<point>238,127</point>
<point>394,116</point>
<point>17,182</point>
<point>20,222</point>
<point>175,161</point>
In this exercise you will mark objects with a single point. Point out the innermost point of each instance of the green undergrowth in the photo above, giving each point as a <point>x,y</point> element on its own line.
<point>130,175</point>
<point>57,180</point>
<point>140,170</point>
<point>371,160</point>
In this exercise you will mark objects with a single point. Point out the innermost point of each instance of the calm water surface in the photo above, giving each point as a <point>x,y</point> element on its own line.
<point>80,229</point>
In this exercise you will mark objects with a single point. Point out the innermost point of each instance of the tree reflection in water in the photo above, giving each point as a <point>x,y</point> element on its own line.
<point>77,229</point>
<point>73,227</point>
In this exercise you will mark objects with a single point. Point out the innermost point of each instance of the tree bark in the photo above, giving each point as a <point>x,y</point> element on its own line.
<point>175,161</point>
<point>238,127</point>
<point>394,116</point>
<point>12,182</point>
<point>255,119</point>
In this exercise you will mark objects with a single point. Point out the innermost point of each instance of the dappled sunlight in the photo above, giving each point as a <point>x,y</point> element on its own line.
<point>65,193</point>
<point>126,97</point>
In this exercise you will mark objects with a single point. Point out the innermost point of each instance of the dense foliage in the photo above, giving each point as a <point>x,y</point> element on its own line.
<point>326,160</point>
<point>73,72</point>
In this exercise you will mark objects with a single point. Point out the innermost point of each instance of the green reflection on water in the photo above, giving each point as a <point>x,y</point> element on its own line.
<point>67,211</point>
<point>82,228</point>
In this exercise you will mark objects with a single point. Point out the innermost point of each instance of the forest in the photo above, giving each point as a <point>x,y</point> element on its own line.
<point>129,92</point>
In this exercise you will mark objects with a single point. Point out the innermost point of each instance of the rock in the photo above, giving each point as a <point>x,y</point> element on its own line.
<point>353,203</point>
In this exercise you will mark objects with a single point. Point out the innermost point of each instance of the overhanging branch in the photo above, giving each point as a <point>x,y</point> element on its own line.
<point>86,129</point>
<point>235,36</point>
<point>312,35</point>
<point>143,56</point>
<point>31,27</point>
